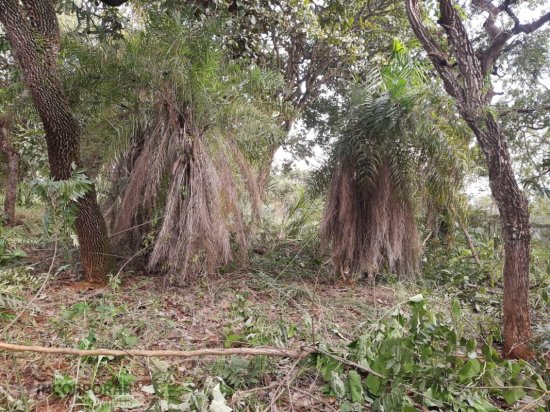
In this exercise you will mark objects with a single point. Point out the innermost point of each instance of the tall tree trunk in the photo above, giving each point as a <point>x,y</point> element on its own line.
<point>13,171</point>
<point>468,82</point>
<point>514,218</point>
<point>33,33</point>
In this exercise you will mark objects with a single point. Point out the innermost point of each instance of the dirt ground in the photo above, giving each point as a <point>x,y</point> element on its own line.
<point>140,312</point>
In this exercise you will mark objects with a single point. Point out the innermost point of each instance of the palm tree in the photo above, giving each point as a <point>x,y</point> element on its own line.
<point>391,154</point>
<point>192,129</point>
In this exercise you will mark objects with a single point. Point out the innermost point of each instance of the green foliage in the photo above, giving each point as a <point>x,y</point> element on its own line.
<point>13,282</point>
<point>290,213</point>
<point>60,198</point>
<point>92,19</point>
<point>240,372</point>
<point>187,396</point>
<point>63,385</point>
<point>102,327</point>
<point>116,402</point>
<point>130,77</point>
<point>394,152</point>
<point>418,359</point>
<point>116,389</point>
<point>8,253</point>
<point>28,140</point>
<point>394,116</point>
<point>233,74</point>
<point>301,219</point>
<point>251,328</point>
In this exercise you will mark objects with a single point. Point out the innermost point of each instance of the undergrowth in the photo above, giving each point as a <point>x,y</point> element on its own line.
<point>418,359</point>
<point>435,351</point>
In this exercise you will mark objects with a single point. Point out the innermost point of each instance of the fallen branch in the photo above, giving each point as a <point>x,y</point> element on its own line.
<point>289,353</point>
<point>280,390</point>
<point>241,394</point>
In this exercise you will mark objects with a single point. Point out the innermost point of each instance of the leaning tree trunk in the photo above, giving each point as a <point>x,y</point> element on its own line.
<point>13,171</point>
<point>514,217</point>
<point>33,33</point>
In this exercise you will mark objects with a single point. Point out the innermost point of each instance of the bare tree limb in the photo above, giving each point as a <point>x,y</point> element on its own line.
<point>501,37</point>
<point>511,14</point>
<point>493,52</point>
<point>435,53</point>
<point>490,27</point>
<point>531,27</point>
<point>300,353</point>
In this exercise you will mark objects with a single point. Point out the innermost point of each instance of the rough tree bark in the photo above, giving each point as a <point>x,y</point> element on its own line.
<point>32,30</point>
<point>466,77</point>
<point>13,170</point>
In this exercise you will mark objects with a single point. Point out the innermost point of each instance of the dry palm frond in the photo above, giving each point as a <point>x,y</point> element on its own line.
<point>190,129</point>
<point>369,225</point>
<point>194,182</point>
<point>389,155</point>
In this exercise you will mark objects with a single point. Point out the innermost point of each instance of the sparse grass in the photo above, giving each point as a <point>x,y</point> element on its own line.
<point>238,309</point>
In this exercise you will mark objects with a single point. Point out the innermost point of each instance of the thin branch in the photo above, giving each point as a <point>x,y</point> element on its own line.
<point>493,52</point>
<point>498,45</point>
<point>524,110</point>
<point>291,376</point>
<point>468,237</point>
<point>301,353</point>
<point>531,27</point>
<point>533,404</point>
<point>315,397</point>
<point>243,393</point>
<point>350,363</point>
<point>490,27</point>
<point>512,15</point>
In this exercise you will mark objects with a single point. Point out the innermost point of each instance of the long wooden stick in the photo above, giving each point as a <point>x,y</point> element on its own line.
<point>289,353</point>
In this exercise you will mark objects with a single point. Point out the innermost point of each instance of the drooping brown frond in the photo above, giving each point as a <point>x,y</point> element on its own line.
<point>157,151</point>
<point>173,169</point>
<point>367,223</point>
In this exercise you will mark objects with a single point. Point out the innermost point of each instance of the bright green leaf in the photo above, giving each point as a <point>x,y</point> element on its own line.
<point>373,384</point>
<point>355,387</point>
<point>512,395</point>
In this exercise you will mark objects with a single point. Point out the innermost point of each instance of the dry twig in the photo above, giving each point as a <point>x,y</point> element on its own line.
<point>268,351</point>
